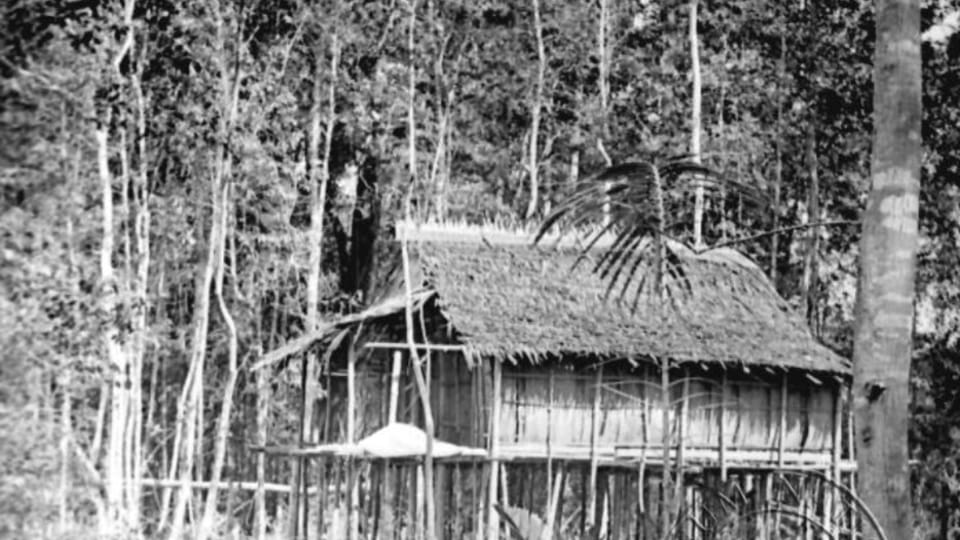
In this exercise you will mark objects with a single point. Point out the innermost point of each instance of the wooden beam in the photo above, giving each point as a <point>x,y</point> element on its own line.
<point>394,387</point>
<point>641,480</point>
<point>351,395</point>
<point>594,440</point>
<point>419,346</point>
<point>550,385</point>
<point>836,442</point>
<point>682,432</point>
<point>353,502</point>
<point>493,523</point>
<point>224,484</point>
<point>722,427</point>
<point>781,444</point>
<point>666,503</point>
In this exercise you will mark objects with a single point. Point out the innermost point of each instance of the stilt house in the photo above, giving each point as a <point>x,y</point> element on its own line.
<point>579,405</point>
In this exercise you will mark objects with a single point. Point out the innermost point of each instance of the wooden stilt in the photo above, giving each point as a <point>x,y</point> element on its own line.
<point>656,499</point>
<point>385,518</point>
<point>442,477</point>
<point>767,498</point>
<point>323,481</point>
<point>851,454</point>
<point>504,486</point>
<point>477,501</point>
<point>553,501</point>
<point>418,501</point>
<point>584,482</point>
<point>296,476</point>
<point>394,387</point>
<point>604,525</point>
<point>493,520</point>
<point>594,440</point>
<point>458,507</point>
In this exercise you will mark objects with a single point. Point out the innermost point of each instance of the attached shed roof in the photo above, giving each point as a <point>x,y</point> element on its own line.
<point>511,299</point>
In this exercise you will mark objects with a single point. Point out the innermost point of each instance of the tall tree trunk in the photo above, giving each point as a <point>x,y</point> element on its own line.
<point>778,173</point>
<point>533,165</point>
<point>114,459</point>
<point>141,231</point>
<point>191,399</point>
<point>812,258</point>
<point>411,99</point>
<point>226,404</point>
<point>698,204</point>
<point>438,178</point>
<point>66,432</point>
<point>885,294</point>
<point>603,82</point>
<point>422,388</point>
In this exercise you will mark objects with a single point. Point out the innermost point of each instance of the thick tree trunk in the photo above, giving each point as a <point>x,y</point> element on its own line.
<point>888,247</point>
<point>116,357</point>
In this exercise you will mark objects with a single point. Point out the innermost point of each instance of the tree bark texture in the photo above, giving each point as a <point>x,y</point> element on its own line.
<point>695,121</point>
<point>888,247</point>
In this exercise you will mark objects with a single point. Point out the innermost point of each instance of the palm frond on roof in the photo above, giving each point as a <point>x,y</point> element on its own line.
<point>636,201</point>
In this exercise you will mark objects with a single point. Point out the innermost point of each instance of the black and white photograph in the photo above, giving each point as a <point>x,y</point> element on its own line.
<point>479,269</point>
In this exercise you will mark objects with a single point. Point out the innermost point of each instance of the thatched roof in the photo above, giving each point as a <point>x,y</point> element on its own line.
<point>509,299</point>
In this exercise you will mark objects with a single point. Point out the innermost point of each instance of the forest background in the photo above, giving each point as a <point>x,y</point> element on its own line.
<point>185,185</point>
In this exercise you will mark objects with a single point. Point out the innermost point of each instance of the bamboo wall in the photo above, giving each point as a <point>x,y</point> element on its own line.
<point>556,404</point>
<point>631,411</point>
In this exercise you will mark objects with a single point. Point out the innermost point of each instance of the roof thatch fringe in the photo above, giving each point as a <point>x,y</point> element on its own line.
<point>495,233</point>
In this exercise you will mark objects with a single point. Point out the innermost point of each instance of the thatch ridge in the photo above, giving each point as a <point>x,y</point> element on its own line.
<point>509,299</point>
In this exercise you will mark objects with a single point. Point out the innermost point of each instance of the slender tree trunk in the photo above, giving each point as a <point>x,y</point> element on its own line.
<point>319,180</point>
<point>811,261</point>
<point>438,179</point>
<point>698,207</point>
<point>259,497</point>
<point>66,432</point>
<point>141,269</point>
<point>603,82</point>
<point>422,388</point>
<point>114,460</point>
<point>226,406</point>
<point>192,397</point>
<point>778,173</point>
<point>533,165</point>
<point>411,98</point>
<point>885,295</point>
